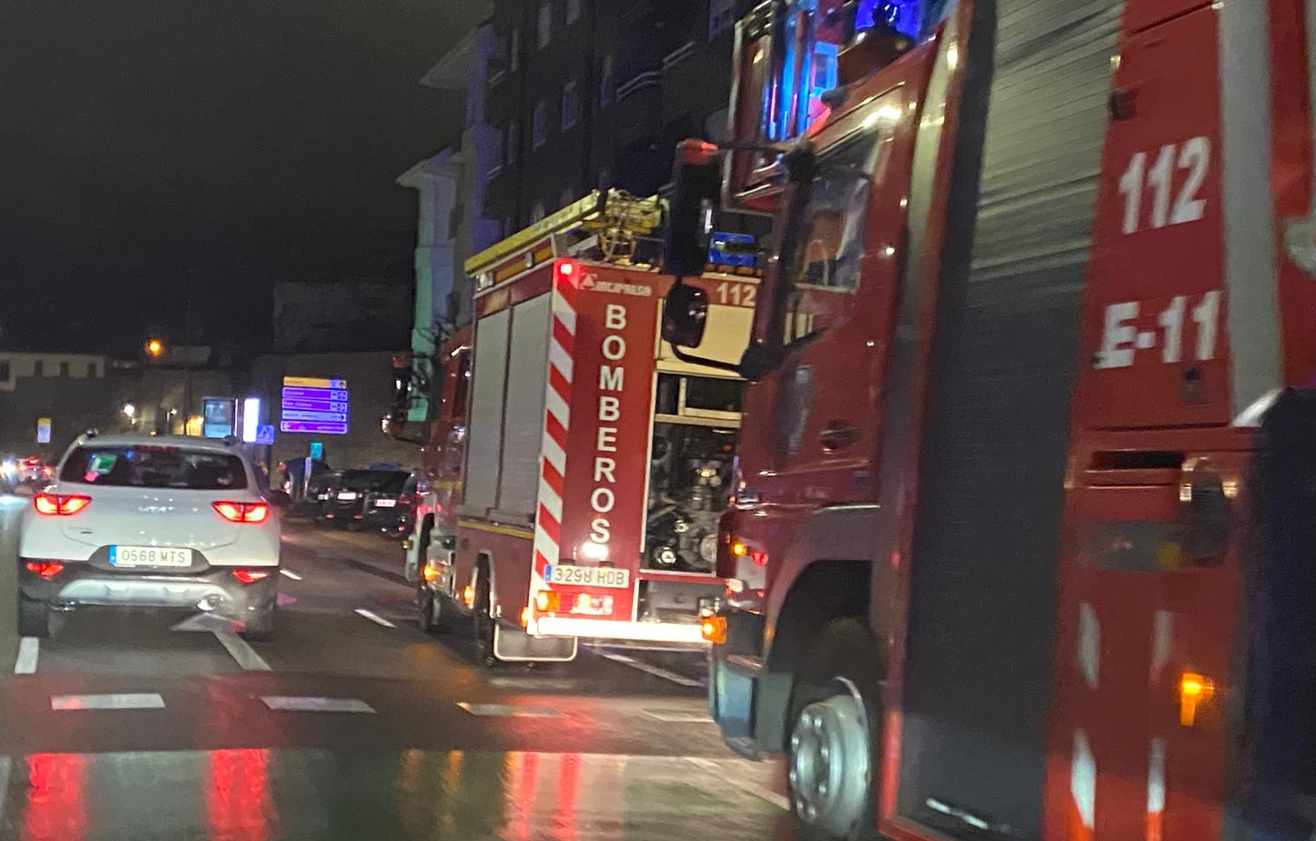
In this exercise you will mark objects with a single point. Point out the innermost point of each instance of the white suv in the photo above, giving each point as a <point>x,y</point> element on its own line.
<point>145,521</point>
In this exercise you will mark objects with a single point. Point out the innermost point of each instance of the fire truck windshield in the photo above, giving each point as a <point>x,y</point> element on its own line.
<point>825,271</point>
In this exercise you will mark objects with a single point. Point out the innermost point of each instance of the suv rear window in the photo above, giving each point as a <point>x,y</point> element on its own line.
<point>153,466</point>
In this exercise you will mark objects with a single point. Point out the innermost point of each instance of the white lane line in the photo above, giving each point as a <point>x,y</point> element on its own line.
<point>681,680</point>
<point>246,656</point>
<point>373,617</point>
<point>309,704</point>
<point>508,710</point>
<point>679,716</point>
<point>4,786</point>
<point>28,650</point>
<point>761,792</point>
<point>118,701</point>
<point>287,573</point>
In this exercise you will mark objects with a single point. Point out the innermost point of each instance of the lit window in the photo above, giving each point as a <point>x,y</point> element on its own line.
<point>536,212</point>
<point>539,125</point>
<point>570,105</point>
<point>721,15</point>
<point>573,11</point>
<point>605,80</point>
<point>545,29</point>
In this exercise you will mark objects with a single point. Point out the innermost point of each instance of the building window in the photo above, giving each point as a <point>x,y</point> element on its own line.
<point>721,15</point>
<point>39,368</point>
<point>4,370</point>
<point>536,212</point>
<point>539,125</point>
<point>63,369</point>
<point>91,370</point>
<point>513,141</point>
<point>570,105</point>
<point>544,31</point>
<point>514,50</point>
<point>605,80</point>
<point>573,11</point>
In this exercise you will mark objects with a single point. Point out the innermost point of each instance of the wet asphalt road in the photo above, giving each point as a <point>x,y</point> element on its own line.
<point>352,725</point>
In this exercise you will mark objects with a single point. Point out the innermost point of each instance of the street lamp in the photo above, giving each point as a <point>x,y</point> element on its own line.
<point>129,410</point>
<point>155,347</point>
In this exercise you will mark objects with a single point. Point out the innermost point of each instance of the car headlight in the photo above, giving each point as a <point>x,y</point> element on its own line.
<point>708,548</point>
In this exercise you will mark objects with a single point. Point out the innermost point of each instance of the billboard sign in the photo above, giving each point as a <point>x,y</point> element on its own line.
<point>315,405</point>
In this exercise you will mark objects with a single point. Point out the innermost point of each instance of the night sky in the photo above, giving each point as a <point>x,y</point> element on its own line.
<point>151,145</point>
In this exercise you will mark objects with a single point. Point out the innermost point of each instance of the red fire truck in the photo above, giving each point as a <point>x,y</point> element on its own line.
<point>1023,542</point>
<point>578,466</point>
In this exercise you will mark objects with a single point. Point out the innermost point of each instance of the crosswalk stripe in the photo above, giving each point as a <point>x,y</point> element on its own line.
<point>29,649</point>
<point>309,704</point>
<point>116,701</point>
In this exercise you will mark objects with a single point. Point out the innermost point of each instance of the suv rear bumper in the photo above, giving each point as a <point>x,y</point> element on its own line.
<point>214,590</point>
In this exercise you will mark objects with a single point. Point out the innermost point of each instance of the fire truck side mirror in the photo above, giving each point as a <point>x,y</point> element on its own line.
<point>685,313</point>
<point>697,180</point>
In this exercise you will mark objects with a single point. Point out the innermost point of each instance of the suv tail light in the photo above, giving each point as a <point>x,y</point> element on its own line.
<point>242,512</point>
<point>250,576</point>
<point>60,505</point>
<point>45,569</point>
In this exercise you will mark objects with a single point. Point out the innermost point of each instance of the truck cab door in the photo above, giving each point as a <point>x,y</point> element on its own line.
<point>818,447</point>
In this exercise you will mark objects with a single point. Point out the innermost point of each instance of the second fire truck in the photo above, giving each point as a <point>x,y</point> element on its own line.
<point>577,466</point>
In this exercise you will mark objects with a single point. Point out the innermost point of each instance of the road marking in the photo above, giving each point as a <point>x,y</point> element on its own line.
<point>680,680</point>
<point>118,701</point>
<point>761,792</point>
<point>287,573</point>
<point>309,704</point>
<point>373,617</point>
<point>508,710</point>
<point>242,652</point>
<point>679,716</point>
<point>206,623</point>
<point>4,786</point>
<point>28,650</point>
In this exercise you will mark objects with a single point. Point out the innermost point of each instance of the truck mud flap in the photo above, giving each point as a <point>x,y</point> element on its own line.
<point>516,646</point>
<point>1281,702</point>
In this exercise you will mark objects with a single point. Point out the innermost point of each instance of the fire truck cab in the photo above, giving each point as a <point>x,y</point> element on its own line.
<point>1022,538</point>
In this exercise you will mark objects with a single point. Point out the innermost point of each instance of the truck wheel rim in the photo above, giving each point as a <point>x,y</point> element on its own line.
<point>829,763</point>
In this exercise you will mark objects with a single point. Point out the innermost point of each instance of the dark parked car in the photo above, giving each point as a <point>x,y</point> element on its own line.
<point>393,513</point>
<point>348,500</point>
<point>318,492</point>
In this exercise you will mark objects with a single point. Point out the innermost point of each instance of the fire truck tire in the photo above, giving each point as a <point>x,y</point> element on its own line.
<point>831,750</point>
<point>483,621</point>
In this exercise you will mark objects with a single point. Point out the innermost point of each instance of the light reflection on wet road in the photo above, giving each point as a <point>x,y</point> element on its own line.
<point>260,795</point>
<point>429,747</point>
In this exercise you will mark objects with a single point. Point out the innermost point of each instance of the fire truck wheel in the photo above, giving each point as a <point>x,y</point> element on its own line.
<point>484,628</point>
<point>831,748</point>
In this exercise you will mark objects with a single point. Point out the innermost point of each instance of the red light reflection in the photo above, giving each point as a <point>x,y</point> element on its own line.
<point>238,796</point>
<point>56,797</point>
